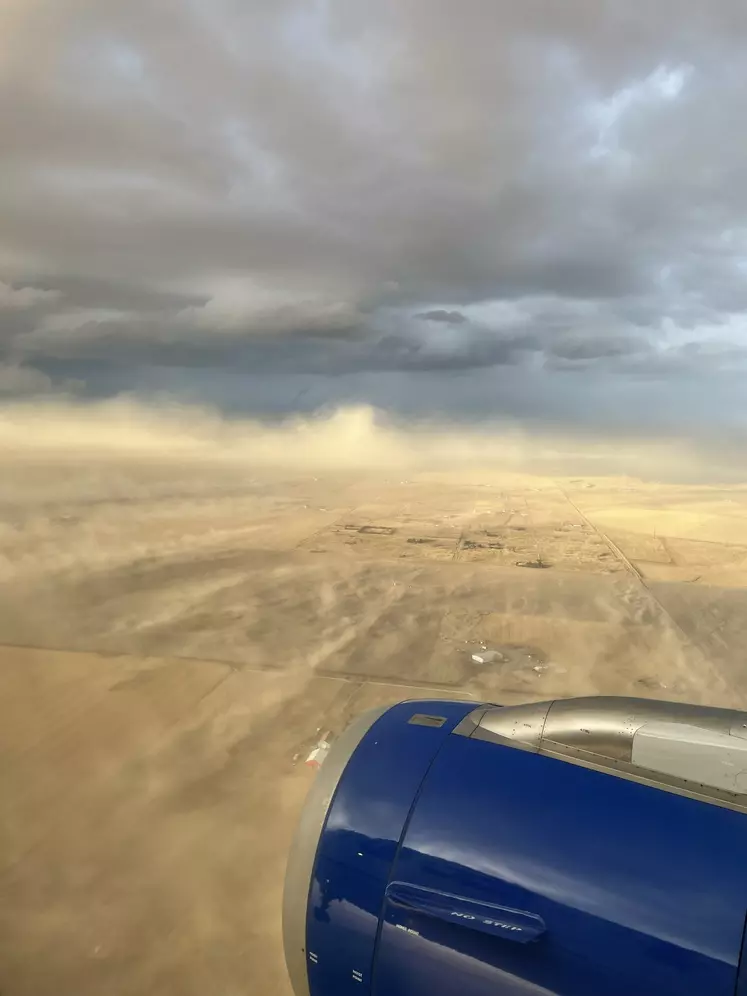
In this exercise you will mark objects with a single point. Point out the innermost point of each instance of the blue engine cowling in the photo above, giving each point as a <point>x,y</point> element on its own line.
<point>581,847</point>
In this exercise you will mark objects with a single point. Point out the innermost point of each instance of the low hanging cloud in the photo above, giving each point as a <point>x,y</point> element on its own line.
<point>18,381</point>
<point>244,308</point>
<point>442,315</point>
<point>367,203</point>
<point>19,298</point>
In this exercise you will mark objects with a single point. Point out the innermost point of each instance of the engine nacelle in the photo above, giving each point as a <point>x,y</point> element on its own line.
<point>580,847</point>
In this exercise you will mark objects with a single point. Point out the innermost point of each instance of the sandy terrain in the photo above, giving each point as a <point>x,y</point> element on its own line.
<point>174,636</point>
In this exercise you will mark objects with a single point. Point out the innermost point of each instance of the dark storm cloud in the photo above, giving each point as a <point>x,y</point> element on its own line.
<point>164,341</point>
<point>306,188</point>
<point>441,315</point>
<point>570,347</point>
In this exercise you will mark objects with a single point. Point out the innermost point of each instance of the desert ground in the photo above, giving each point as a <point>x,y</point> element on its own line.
<point>175,637</point>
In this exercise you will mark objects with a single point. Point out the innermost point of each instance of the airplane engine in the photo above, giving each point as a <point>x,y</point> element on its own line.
<point>579,847</point>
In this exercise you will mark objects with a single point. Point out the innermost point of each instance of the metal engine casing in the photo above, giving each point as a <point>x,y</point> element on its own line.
<point>580,847</point>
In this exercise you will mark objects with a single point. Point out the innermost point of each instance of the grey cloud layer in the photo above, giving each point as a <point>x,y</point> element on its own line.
<point>407,187</point>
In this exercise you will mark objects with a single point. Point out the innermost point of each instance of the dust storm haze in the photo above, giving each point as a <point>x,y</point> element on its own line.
<point>338,343</point>
<point>186,600</point>
<point>355,438</point>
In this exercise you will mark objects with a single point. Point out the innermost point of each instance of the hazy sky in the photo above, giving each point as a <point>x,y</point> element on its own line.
<point>474,209</point>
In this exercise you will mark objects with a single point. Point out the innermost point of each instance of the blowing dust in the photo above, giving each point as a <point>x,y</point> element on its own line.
<point>356,438</point>
<point>350,545</point>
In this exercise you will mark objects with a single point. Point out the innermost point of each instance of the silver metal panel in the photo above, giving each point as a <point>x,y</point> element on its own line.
<point>467,726</point>
<point>522,725</point>
<point>306,841</point>
<point>709,757</point>
<point>698,750</point>
<point>606,725</point>
<point>424,719</point>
